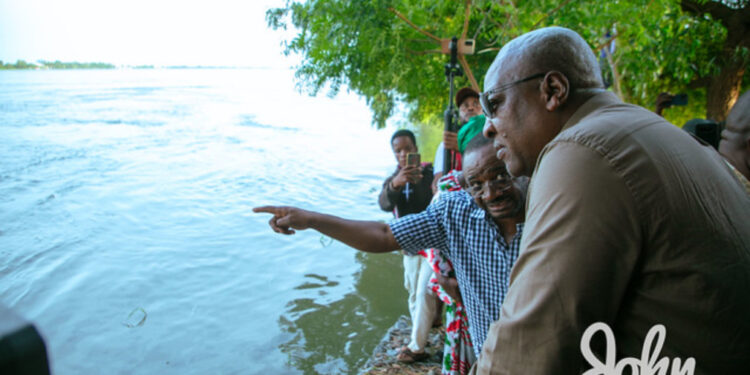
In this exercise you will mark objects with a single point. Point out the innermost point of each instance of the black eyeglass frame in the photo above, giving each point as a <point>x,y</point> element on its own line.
<point>484,100</point>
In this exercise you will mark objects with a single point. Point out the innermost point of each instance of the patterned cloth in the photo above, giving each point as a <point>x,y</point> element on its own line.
<point>458,352</point>
<point>471,240</point>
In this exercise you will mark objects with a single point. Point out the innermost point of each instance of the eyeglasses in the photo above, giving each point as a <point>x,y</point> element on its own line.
<point>489,108</point>
<point>502,182</point>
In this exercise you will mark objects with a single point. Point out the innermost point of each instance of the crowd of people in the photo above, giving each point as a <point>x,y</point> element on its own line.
<point>567,209</point>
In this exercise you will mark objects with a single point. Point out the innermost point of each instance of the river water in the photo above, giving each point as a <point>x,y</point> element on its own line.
<point>126,231</point>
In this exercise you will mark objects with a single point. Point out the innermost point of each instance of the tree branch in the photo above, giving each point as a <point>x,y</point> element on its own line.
<point>425,52</point>
<point>497,24</point>
<point>607,43</point>
<point>415,27</point>
<point>564,3</point>
<point>467,12</point>
<point>509,20</point>
<point>467,70</point>
<point>420,40</point>
<point>488,50</point>
<point>490,18</point>
<point>716,9</point>
<point>481,26</point>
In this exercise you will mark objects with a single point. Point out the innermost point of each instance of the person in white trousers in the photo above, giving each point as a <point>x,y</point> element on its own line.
<point>408,191</point>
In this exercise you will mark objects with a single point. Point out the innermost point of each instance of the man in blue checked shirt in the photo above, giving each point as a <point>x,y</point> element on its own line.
<point>478,229</point>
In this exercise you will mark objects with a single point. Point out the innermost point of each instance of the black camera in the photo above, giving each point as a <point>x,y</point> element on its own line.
<point>706,130</point>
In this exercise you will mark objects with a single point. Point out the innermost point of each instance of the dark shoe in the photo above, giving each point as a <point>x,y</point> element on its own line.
<point>405,355</point>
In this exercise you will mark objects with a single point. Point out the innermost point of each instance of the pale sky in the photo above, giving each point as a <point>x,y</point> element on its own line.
<point>134,32</point>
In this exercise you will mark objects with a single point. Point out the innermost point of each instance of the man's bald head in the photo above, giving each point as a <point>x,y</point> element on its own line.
<point>552,48</point>
<point>735,138</point>
<point>533,87</point>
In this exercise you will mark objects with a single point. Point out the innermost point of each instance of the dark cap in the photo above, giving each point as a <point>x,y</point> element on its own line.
<point>464,93</point>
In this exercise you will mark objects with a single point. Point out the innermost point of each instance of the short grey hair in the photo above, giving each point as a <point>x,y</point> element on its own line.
<point>555,48</point>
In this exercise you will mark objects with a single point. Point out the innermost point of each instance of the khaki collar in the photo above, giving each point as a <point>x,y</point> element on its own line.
<point>601,99</point>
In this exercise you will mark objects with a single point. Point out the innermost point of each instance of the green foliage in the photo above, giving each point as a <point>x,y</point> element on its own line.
<point>363,45</point>
<point>41,64</point>
<point>57,64</point>
<point>367,47</point>
<point>20,64</point>
<point>669,54</point>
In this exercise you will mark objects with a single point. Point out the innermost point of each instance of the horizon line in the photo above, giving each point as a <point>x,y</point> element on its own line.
<point>45,64</point>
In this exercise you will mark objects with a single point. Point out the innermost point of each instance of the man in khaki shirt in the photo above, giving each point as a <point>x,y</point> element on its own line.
<point>630,222</point>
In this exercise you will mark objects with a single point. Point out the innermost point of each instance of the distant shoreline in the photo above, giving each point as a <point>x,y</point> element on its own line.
<point>59,65</point>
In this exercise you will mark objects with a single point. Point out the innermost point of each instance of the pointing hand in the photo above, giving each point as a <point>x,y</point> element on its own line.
<point>286,219</point>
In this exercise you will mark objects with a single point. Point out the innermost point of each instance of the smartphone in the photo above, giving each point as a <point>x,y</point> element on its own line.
<point>413,158</point>
<point>679,99</point>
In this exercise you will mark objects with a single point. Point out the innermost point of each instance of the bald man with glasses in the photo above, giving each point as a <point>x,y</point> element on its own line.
<point>631,225</point>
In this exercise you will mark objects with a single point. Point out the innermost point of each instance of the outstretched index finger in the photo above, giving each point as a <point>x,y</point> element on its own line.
<point>266,209</point>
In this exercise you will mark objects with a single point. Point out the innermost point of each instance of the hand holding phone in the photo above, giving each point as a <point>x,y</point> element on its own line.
<point>411,173</point>
<point>679,99</point>
<point>413,159</point>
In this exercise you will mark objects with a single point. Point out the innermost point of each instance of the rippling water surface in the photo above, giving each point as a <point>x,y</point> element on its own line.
<point>126,232</point>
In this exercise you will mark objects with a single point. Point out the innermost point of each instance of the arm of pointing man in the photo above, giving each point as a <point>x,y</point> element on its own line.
<point>369,236</point>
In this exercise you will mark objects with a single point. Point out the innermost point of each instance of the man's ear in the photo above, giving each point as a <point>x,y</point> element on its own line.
<point>462,180</point>
<point>555,89</point>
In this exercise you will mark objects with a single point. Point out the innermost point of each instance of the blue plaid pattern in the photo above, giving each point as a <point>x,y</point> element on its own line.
<point>472,242</point>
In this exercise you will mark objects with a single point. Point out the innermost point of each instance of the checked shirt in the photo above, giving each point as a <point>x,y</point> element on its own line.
<point>469,238</point>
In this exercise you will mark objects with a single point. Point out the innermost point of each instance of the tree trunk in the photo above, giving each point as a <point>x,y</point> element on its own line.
<point>723,89</point>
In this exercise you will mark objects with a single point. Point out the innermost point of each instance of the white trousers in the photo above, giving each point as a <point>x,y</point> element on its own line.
<point>422,302</point>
